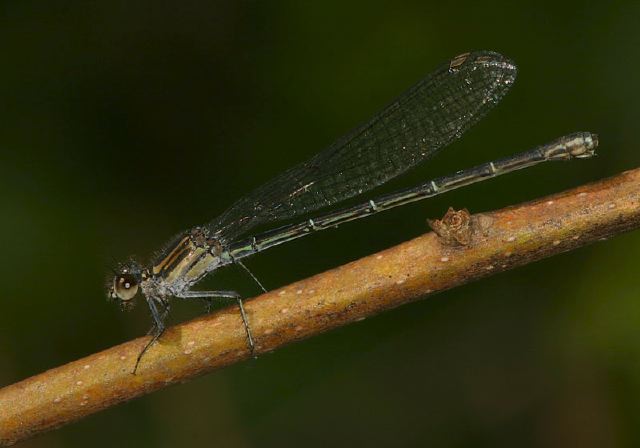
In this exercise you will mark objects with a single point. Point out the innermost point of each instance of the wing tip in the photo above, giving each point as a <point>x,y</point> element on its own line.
<point>485,58</point>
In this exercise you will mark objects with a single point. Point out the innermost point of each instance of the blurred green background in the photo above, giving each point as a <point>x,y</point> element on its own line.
<point>122,123</point>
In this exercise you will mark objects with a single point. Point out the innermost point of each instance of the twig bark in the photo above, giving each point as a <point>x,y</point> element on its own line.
<point>466,250</point>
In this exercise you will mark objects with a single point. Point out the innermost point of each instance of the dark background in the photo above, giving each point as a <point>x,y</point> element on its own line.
<point>122,123</point>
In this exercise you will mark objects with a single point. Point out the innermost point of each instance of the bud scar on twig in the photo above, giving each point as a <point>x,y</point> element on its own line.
<point>457,227</point>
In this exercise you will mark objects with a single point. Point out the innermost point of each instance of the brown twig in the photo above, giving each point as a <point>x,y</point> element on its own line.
<point>468,248</point>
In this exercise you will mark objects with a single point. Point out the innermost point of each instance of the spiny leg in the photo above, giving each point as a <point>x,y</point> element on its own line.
<point>247,329</point>
<point>209,295</point>
<point>166,307</point>
<point>255,279</point>
<point>157,329</point>
<point>156,334</point>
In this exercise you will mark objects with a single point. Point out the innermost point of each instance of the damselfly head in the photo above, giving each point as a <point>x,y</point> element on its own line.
<point>125,284</point>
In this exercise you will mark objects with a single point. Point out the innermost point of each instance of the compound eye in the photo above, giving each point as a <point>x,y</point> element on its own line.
<point>125,287</point>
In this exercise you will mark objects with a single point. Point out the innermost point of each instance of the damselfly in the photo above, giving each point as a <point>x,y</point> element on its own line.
<point>426,118</point>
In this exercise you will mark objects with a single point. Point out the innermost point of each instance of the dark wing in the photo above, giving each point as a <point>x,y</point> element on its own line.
<point>429,116</point>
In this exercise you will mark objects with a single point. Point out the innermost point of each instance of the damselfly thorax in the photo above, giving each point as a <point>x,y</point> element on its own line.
<point>184,263</point>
